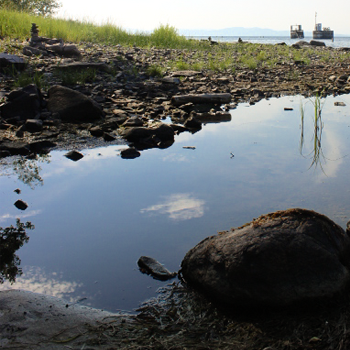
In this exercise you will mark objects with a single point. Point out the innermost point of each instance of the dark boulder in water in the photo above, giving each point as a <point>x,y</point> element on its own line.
<point>280,259</point>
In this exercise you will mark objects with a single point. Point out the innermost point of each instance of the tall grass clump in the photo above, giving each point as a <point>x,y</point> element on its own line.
<point>167,36</point>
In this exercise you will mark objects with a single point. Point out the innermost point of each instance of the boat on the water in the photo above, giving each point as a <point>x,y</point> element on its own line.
<point>319,33</point>
<point>296,32</point>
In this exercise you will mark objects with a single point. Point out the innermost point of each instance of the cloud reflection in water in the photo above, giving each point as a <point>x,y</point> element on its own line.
<point>178,206</point>
<point>35,280</point>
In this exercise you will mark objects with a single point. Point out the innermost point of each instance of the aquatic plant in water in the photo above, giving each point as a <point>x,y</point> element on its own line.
<point>316,152</point>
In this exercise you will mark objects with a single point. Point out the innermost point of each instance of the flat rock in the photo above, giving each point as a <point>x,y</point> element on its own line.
<point>39,322</point>
<point>7,60</point>
<point>280,259</point>
<point>154,268</point>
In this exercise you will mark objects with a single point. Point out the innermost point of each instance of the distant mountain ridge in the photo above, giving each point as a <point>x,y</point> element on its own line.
<point>237,31</point>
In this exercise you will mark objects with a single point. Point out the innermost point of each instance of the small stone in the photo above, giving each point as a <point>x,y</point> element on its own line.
<point>34,125</point>
<point>96,131</point>
<point>108,137</point>
<point>339,104</point>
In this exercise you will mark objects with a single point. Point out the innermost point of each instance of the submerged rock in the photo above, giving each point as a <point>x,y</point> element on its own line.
<point>154,268</point>
<point>280,259</point>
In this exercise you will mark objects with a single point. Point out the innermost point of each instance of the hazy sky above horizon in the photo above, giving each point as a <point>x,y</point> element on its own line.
<point>146,15</point>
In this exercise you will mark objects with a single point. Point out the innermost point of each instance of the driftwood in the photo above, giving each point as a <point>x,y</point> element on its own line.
<point>198,99</point>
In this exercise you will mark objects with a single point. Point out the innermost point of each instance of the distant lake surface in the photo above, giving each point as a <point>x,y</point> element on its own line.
<point>95,217</point>
<point>338,41</point>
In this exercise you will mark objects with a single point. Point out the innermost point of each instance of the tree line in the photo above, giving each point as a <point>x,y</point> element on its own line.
<point>35,7</point>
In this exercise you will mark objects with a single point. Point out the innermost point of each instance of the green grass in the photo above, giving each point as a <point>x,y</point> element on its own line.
<point>155,71</point>
<point>183,53</point>
<point>17,25</point>
<point>72,77</point>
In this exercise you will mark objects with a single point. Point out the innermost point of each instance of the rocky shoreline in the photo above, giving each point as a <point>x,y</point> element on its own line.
<point>136,107</point>
<point>129,94</point>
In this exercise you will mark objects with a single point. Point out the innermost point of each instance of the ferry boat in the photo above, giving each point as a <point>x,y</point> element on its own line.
<point>296,32</point>
<point>319,33</point>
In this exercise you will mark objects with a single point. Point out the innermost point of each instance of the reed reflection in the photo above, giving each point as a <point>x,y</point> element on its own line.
<point>316,153</point>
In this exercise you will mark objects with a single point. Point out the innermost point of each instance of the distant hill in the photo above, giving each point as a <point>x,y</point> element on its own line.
<point>236,31</point>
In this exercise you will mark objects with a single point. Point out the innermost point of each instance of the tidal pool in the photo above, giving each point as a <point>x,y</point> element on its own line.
<point>94,218</point>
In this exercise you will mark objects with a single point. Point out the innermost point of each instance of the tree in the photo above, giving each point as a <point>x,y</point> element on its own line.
<point>34,7</point>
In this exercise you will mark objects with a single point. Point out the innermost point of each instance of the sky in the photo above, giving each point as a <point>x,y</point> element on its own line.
<point>146,15</point>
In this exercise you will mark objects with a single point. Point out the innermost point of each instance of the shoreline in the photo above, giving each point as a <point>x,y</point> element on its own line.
<point>141,82</point>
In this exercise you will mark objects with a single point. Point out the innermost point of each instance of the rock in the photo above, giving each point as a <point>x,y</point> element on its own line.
<point>96,131</point>
<point>317,43</point>
<point>154,268</point>
<point>170,80</point>
<point>300,43</point>
<point>4,153</point>
<point>79,66</point>
<point>24,103</point>
<point>185,73</point>
<point>74,155</point>
<point>162,131</point>
<point>19,204</point>
<point>33,125</point>
<point>108,137</point>
<point>42,146</point>
<point>339,104</point>
<point>8,61</point>
<point>33,51</point>
<point>32,318</point>
<point>15,148</point>
<point>133,121</point>
<point>280,259</point>
<point>130,153</point>
<point>193,123</point>
<point>73,106</point>
<point>64,50</point>
<point>215,98</point>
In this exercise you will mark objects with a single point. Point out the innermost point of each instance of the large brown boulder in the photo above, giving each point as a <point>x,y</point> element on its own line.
<point>280,259</point>
<point>73,106</point>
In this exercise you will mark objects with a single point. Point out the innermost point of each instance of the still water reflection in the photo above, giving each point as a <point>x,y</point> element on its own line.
<point>178,206</point>
<point>94,218</point>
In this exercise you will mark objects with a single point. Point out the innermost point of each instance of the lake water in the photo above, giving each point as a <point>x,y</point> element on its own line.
<point>340,41</point>
<point>94,218</point>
